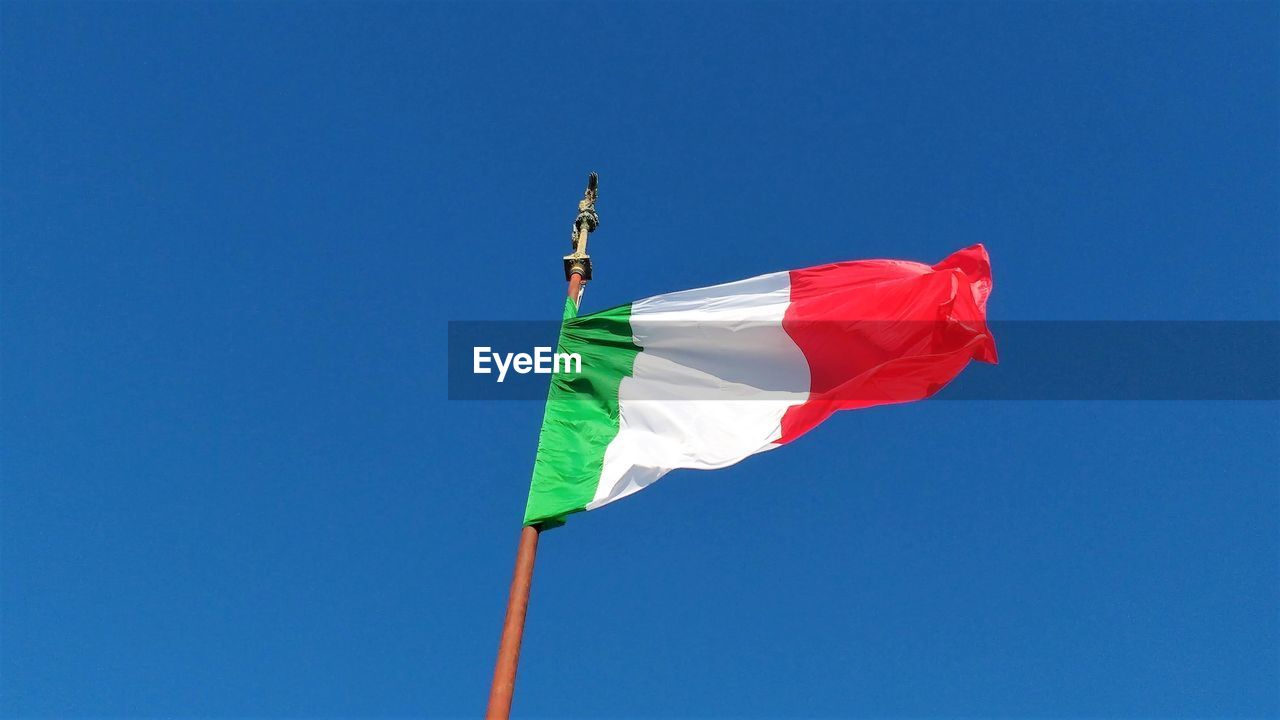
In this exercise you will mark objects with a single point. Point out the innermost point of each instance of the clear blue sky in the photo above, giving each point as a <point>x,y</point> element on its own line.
<point>233,235</point>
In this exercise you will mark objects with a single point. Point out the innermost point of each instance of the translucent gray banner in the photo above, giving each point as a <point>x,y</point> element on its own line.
<point>1039,360</point>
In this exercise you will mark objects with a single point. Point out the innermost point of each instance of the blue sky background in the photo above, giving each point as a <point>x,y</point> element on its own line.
<point>233,234</point>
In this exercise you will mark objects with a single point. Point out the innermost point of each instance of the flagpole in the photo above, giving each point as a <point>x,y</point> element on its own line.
<point>577,270</point>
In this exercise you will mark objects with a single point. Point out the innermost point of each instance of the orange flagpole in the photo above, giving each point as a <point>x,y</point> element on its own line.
<point>577,270</point>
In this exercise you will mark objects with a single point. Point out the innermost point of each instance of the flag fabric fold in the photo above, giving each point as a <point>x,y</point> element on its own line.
<point>704,378</point>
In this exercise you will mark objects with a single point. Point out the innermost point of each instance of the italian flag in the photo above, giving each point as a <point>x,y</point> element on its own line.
<point>703,378</point>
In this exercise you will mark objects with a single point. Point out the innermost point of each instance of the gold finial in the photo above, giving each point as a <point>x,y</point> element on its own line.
<point>579,262</point>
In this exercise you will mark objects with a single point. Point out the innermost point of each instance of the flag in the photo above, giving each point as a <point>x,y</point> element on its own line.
<point>703,378</point>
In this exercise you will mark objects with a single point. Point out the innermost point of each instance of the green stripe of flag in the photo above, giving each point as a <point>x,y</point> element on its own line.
<point>581,416</point>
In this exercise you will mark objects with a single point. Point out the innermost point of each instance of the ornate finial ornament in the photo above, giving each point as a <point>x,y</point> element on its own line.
<point>579,262</point>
